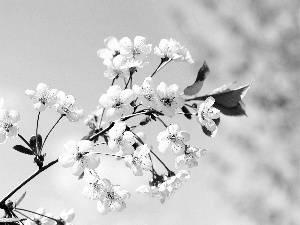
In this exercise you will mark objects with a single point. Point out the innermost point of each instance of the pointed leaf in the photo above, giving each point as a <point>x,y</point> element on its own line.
<point>196,87</point>
<point>32,141</point>
<point>187,113</point>
<point>239,110</point>
<point>20,199</point>
<point>22,149</point>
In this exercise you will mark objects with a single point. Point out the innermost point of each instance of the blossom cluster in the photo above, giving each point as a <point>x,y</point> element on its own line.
<point>109,121</point>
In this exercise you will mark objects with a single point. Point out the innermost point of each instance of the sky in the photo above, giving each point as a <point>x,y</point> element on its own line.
<point>56,42</point>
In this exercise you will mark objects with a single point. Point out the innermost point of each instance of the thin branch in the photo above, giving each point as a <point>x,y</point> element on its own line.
<point>26,142</point>
<point>140,140</point>
<point>160,66</point>
<point>52,129</point>
<point>37,214</point>
<point>104,153</point>
<point>166,126</point>
<point>27,180</point>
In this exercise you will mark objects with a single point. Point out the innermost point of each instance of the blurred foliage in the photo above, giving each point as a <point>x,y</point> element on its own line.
<point>258,41</point>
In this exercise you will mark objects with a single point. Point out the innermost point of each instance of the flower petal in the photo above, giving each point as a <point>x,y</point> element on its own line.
<point>66,160</point>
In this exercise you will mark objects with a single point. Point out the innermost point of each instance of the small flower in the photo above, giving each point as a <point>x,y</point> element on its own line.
<point>93,120</point>
<point>209,117</point>
<point>172,50</point>
<point>137,50</point>
<point>112,199</point>
<point>38,219</point>
<point>66,106</point>
<point>120,139</point>
<point>139,160</point>
<point>117,67</point>
<point>95,188</point>
<point>67,216</point>
<point>79,156</point>
<point>149,97</point>
<point>8,124</point>
<point>112,50</point>
<point>43,97</point>
<point>117,101</point>
<point>150,191</point>
<point>173,139</point>
<point>172,184</point>
<point>189,157</point>
<point>170,98</point>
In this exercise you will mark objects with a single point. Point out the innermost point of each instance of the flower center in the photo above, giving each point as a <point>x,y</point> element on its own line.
<point>7,126</point>
<point>136,161</point>
<point>167,101</point>
<point>118,104</point>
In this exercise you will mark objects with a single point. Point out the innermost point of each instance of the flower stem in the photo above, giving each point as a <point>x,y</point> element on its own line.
<point>166,126</point>
<point>24,215</point>
<point>104,153</point>
<point>37,214</point>
<point>160,66</point>
<point>140,140</point>
<point>27,180</point>
<point>52,129</point>
<point>23,139</point>
<point>36,135</point>
<point>130,77</point>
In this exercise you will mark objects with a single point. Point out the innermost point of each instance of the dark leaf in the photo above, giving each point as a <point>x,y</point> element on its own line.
<point>153,117</point>
<point>22,149</point>
<point>32,141</point>
<point>20,199</point>
<point>231,98</point>
<point>238,110</point>
<point>207,132</point>
<point>145,121</point>
<point>196,87</point>
<point>187,113</point>
<point>105,136</point>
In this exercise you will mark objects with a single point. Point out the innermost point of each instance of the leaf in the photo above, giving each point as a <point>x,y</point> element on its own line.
<point>239,110</point>
<point>231,98</point>
<point>22,149</point>
<point>197,85</point>
<point>32,141</point>
<point>20,199</point>
<point>228,101</point>
<point>145,121</point>
<point>187,113</point>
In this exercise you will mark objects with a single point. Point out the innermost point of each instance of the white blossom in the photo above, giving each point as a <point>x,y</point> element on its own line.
<point>172,139</point>
<point>139,160</point>
<point>137,50</point>
<point>66,106</point>
<point>8,124</point>
<point>112,50</point>
<point>207,115</point>
<point>79,156</point>
<point>170,98</point>
<point>189,157</point>
<point>117,102</point>
<point>38,219</point>
<point>112,199</point>
<point>171,49</point>
<point>121,140</point>
<point>147,94</point>
<point>43,97</point>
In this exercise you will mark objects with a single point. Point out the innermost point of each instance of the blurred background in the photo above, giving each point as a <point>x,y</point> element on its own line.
<point>250,175</point>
